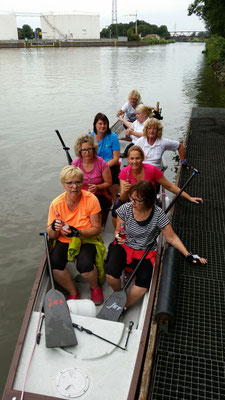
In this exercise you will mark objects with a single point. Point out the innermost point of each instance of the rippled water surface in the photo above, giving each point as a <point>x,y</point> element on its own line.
<point>47,89</point>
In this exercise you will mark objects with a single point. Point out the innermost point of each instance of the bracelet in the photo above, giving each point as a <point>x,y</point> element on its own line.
<point>183,162</point>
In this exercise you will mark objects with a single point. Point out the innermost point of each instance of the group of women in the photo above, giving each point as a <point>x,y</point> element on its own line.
<point>90,188</point>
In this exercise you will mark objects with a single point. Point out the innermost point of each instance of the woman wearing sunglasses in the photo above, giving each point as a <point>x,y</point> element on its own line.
<point>97,174</point>
<point>74,220</point>
<point>142,220</point>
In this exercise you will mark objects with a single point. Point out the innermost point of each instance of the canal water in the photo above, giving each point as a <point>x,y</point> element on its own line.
<point>46,89</point>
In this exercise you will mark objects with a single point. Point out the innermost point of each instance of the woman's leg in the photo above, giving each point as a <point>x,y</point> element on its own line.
<point>86,264</point>
<point>60,273</point>
<point>142,282</point>
<point>134,295</point>
<point>87,269</point>
<point>116,262</point>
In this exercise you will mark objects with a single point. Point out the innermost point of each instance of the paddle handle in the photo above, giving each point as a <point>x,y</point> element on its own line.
<point>69,159</point>
<point>48,258</point>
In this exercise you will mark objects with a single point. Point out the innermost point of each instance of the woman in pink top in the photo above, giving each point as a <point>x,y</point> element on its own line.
<point>136,171</point>
<point>97,175</point>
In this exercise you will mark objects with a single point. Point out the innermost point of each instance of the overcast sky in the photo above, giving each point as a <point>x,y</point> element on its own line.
<point>172,13</point>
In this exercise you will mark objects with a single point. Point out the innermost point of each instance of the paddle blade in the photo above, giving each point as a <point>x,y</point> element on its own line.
<point>113,307</point>
<point>59,330</point>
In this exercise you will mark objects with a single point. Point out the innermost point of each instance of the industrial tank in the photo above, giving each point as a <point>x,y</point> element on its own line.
<point>8,27</point>
<point>70,26</point>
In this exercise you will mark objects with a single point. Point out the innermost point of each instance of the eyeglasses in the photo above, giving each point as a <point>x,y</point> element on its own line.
<point>136,201</point>
<point>71,183</point>
<point>85,150</point>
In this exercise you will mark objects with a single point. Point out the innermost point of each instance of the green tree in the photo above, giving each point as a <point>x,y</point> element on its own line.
<point>132,36</point>
<point>27,32</point>
<point>212,12</point>
<point>163,31</point>
<point>129,30</point>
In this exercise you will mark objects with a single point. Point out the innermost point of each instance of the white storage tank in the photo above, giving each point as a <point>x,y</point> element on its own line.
<point>8,26</point>
<point>70,26</point>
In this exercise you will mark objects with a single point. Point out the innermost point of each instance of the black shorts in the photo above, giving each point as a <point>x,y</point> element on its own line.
<point>115,174</point>
<point>116,262</point>
<point>85,259</point>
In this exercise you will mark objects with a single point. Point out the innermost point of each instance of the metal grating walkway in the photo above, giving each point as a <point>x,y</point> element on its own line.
<point>190,360</point>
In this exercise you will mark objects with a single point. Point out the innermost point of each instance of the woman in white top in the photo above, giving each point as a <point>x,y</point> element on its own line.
<point>128,111</point>
<point>135,129</point>
<point>154,145</point>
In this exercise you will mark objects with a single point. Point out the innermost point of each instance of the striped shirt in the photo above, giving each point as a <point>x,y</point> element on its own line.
<point>139,236</point>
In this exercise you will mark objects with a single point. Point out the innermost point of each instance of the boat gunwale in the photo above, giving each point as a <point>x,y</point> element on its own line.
<point>23,331</point>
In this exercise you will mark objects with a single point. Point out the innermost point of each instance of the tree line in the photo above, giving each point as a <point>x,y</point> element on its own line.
<point>129,30</point>
<point>212,12</point>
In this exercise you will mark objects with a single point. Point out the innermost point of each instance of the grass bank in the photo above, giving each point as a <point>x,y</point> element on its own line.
<point>215,56</point>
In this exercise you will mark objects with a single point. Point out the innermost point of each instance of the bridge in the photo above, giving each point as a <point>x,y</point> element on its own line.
<point>186,36</point>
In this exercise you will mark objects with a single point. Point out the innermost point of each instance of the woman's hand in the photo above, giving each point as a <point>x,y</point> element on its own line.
<point>57,225</point>
<point>119,239</point>
<point>126,187</point>
<point>195,259</point>
<point>92,188</point>
<point>129,132</point>
<point>196,200</point>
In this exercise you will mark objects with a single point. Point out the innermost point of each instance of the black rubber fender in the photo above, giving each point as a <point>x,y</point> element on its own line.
<point>167,297</point>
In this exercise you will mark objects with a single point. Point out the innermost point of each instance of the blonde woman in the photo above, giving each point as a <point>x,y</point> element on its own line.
<point>135,129</point>
<point>153,144</point>
<point>75,213</point>
<point>128,111</point>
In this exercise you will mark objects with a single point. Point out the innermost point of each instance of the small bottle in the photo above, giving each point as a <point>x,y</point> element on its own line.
<point>122,232</point>
<point>65,226</point>
<point>128,180</point>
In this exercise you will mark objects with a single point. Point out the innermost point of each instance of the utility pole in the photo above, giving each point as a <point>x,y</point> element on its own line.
<point>114,11</point>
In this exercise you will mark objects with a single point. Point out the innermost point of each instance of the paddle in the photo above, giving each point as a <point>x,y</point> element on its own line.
<point>114,305</point>
<point>59,330</point>
<point>64,147</point>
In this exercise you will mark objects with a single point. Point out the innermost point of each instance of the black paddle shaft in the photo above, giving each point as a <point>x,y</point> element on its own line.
<point>48,258</point>
<point>69,159</point>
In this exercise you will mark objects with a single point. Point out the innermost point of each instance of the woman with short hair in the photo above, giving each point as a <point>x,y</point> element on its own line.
<point>97,174</point>
<point>128,111</point>
<point>75,214</point>
<point>154,145</point>
<point>142,221</point>
<point>135,129</point>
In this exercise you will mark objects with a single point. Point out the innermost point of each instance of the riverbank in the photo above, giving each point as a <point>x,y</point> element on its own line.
<point>215,55</point>
<point>219,71</point>
<point>73,43</point>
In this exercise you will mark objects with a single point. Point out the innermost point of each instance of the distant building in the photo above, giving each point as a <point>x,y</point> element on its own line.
<point>153,35</point>
<point>70,26</point>
<point>8,27</point>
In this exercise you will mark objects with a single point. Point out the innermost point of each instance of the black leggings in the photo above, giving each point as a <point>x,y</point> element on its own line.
<point>116,262</point>
<point>85,259</point>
